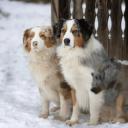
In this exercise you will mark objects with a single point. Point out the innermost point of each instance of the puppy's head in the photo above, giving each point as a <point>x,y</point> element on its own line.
<point>74,32</point>
<point>38,38</point>
<point>97,83</point>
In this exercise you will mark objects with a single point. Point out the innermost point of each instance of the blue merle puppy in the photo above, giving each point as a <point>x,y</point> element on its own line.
<point>110,77</point>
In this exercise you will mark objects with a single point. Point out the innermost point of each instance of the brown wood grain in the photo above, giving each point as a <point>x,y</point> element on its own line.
<point>60,9</point>
<point>116,46</point>
<point>90,11</point>
<point>125,51</point>
<point>77,9</point>
<point>103,20</point>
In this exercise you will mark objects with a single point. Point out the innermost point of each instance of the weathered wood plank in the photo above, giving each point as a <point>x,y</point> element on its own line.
<point>126,32</point>
<point>90,11</point>
<point>77,9</point>
<point>54,11</point>
<point>115,48</point>
<point>103,20</point>
<point>60,9</point>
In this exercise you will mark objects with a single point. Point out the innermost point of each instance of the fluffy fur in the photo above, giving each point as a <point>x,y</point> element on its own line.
<point>40,46</point>
<point>111,78</point>
<point>81,55</point>
<point>78,59</point>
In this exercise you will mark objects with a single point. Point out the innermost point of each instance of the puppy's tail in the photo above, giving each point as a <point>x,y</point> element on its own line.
<point>123,62</point>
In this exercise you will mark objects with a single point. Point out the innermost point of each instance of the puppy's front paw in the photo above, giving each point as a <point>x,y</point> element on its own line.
<point>71,122</point>
<point>43,115</point>
<point>93,122</point>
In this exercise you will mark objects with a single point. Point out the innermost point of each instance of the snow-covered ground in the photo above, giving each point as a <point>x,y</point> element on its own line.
<point>19,96</point>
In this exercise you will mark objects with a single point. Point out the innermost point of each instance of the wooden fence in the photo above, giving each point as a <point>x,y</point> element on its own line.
<point>110,19</point>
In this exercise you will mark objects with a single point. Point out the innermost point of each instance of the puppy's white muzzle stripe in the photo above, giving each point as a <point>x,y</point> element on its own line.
<point>37,39</point>
<point>68,34</point>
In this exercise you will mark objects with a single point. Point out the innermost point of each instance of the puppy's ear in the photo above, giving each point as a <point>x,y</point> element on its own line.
<point>57,28</point>
<point>86,28</point>
<point>26,42</point>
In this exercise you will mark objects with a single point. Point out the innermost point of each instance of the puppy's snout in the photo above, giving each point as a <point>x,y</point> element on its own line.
<point>96,90</point>
<point>66,41</point>
<point>35,43</point>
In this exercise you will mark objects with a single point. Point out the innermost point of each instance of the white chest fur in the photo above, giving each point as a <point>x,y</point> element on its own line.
<point>79,77</point>
<point>76,74</point>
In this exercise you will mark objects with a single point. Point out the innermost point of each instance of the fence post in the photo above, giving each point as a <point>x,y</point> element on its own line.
<point>126,31</point>
<point>77,9</point>
<point>60,9</point>
<point>103,20</point>
<point>116,16</point>
<point>90,11</point>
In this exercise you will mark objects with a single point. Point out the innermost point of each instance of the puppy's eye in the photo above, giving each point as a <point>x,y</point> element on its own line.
<point>63,31</point>
<point>75,31</point>
<point>42,36</point>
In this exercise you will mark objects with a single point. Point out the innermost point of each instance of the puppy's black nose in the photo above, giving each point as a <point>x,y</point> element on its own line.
<point>66,41</point>
<point>35,43</point>
<point>96,90</point>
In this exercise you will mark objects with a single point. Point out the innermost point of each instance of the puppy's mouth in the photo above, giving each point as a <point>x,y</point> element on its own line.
<point>96,90</point>
<point>36,49</point>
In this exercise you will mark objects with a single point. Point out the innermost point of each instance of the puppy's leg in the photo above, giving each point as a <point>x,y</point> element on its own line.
<point>120,116</point>
<point>44,105</point>
<point>75,112</point>
<point>44,108</point>
<point>96,102</point>
<point>64,108</point>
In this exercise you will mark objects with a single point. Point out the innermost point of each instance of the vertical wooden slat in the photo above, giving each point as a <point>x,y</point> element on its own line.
<point>64,9</point>
<point>54,11</point>
<point>109,27</point>
<point>77,9</point>
<point>123,29</point>
<point>116,44</point>
<point>60,9</point>
<point>102,20</point>
<point>126,31</point>
<point>90,11</point>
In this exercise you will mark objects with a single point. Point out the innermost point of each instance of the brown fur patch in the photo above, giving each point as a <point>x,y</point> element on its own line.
<point>65,90</point>
<point>48,38</point>
<point>78,40</point>
<point>28,35</point>
<point>59,75</point>
<point>49,42</point>
<point>73,96</point>
<point>120,102</point>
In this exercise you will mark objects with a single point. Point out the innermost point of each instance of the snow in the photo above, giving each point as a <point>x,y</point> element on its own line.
<point>19,96</point>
